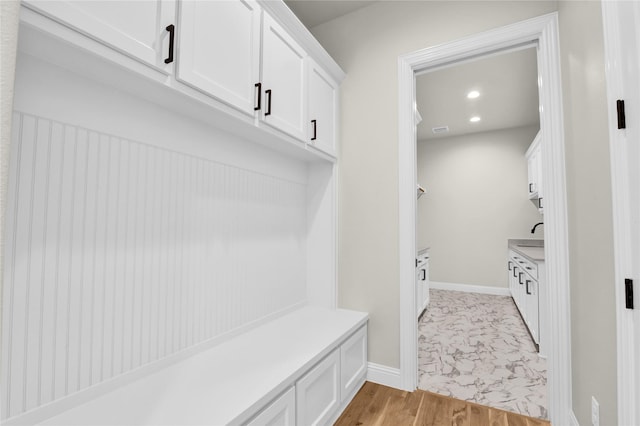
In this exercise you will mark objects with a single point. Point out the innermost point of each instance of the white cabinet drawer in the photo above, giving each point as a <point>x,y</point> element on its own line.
<point>353,362</point>
<point>318,392</point>
<point>281,412</point>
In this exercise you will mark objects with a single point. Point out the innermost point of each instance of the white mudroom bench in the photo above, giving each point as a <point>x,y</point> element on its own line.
<point>302,368</point>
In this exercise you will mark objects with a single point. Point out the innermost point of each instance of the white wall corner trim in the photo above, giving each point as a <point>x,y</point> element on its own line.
<point>542,30</point>
<point>383,375</point>
<point>616,17</point>
<point>470,288</point>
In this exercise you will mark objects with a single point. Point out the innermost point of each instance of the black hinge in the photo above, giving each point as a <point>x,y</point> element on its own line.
<point>622,123</point>
<point>628,292</point>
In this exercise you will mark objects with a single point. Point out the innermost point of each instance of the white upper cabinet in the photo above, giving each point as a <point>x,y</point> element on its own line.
<point>283,80</point>
<point>322,108</point>
<point>136,28</point>
<point>220,49</point>
<point>534,164</point>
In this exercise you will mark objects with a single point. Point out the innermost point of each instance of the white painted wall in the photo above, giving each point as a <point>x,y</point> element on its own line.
<point>366,44</point>
<point>476,200</point>
<point>593,321</point>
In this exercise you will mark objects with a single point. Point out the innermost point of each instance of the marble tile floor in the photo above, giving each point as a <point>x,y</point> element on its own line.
<point>475,347</point>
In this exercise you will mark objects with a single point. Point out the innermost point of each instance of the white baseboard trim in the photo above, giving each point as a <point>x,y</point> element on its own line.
<point>383,375</point>
<point>470,288</point>
<point>573,419</point>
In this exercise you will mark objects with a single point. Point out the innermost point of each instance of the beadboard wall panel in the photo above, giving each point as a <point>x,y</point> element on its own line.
<point>120,253</point>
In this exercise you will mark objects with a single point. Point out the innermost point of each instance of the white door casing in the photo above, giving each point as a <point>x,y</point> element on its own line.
<point>621,21</point>
<point>542,31</point>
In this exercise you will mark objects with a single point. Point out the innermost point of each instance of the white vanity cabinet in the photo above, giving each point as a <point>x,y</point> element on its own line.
<point>139,29</point>
<point>219,50</point>
<point>525,280</point>
<point>322,109</point>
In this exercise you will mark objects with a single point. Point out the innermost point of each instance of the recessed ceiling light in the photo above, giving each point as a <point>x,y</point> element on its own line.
<point>474,119</point>
<point>473,94</point>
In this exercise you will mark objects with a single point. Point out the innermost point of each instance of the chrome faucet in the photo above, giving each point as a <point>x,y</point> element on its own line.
<point>535,226</point>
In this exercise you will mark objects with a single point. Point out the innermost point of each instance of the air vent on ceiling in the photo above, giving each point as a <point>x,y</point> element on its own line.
<point>441,129</point>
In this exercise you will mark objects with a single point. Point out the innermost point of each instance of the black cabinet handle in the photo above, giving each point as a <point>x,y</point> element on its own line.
<point>268,94</point>
<point>315,127</point>
<point>520,277</point>
<point>510,265</point>
<point>540,203</point>
<point>530,185</point>
<point>172,32</point>
<point>514,271</point>
<point>258,86</point>
<point>424,274</point>
<point>527,284</point>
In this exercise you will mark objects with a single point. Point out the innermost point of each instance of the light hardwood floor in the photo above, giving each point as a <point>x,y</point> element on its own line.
<point>384,406</point>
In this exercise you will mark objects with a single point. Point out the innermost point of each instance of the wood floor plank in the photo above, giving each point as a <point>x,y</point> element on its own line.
<point>479,414</point>
<point>377,405</point>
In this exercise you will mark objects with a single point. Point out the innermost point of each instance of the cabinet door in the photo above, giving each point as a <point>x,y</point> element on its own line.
<point>318,392</point>
<point>532,168</point>
<point>281,412</point>
<point>353,363</point>
<point>532,308</point>
<point>220,49</point>
<point>136,28</point>
<point>283,80</point>
<point>323,108</point>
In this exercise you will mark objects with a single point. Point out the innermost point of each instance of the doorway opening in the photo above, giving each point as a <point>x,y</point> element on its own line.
<point>543,32</point>
<point>479,127</point>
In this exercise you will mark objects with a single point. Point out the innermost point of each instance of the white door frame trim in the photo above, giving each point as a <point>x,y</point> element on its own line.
<point>542,30</point>
<point>614,43</point>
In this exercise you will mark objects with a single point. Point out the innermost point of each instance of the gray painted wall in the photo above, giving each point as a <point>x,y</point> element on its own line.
<point>367,44</point>
<point>593,320</point>
<point>476,200</point>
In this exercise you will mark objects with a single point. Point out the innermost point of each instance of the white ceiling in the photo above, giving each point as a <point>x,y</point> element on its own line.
<point>508,86</point>
<point>316,12</point>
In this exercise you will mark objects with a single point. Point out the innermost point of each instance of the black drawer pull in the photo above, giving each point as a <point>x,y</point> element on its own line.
<point>315,127</point>
<point>527,284</point>
<point>268,93</point>
<point>258,86</point>
<point>424,275</point>
<point>510,265</point>
<point>172,32</point>
<point>520,277</point>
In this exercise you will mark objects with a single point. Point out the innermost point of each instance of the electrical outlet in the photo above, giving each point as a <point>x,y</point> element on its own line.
<point>595,412</point>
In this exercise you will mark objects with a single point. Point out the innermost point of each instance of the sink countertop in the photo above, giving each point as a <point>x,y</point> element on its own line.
<point>531,249</point>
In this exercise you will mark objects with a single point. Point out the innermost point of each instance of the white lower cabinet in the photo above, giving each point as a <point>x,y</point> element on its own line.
<point>281,412</point>
<point>318,392</point>
<point>353,362</point>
